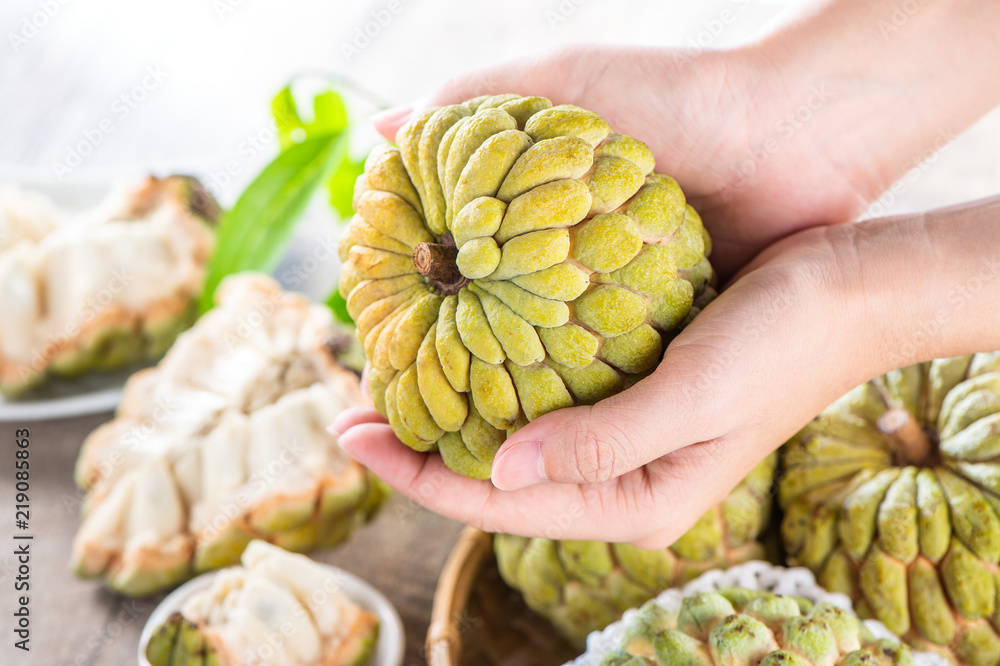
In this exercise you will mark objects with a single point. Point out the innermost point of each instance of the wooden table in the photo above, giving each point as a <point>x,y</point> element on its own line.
<point>77,622</point>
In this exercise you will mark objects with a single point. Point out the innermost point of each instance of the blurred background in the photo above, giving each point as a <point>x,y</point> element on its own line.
<point>186,85</point>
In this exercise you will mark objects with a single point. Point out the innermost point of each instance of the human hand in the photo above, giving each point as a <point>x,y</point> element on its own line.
<point>701,116</point>
<point>801,128</point>
<point>811,317</point>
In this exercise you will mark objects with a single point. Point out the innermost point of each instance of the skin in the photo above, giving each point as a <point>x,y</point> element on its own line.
<point>814,306</point>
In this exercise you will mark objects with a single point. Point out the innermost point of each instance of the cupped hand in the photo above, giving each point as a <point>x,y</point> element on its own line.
<point>723,124</point>
<point>753,367</point>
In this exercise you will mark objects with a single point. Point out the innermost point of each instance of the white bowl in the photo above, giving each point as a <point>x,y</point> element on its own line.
<point>391,639</point>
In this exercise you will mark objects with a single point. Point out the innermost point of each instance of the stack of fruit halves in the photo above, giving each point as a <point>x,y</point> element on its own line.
<point>223,442</point>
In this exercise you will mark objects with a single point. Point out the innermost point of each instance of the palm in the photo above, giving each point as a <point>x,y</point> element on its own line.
<point>705,424</point>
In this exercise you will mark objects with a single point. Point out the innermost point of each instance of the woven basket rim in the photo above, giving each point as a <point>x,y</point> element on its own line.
<point>458,576</point>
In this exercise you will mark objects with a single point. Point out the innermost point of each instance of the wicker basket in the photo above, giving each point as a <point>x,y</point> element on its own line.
<point>478,621</point>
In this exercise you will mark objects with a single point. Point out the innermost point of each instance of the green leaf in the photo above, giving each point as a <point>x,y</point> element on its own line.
<point>255,233</point>
<point>286,118</point>
<point>341,186</point>
<point>329,117</point>
<point>338,304</point>
<point>329,114</point>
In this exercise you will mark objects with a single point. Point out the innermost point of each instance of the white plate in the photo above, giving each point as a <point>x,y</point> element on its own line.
<point>63,398</point>
<point>391,639</point>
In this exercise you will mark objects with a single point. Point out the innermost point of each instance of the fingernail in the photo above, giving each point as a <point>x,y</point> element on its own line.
<point>518,467</point>
<point>337,427</point>
<point>345,444</point>
<point>392,116</point>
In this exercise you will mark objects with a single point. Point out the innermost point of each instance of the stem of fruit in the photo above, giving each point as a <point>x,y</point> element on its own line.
<point>436,262</point>
<point>906,436</point>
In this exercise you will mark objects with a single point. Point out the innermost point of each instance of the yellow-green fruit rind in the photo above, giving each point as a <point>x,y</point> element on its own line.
<point>741,627</point>
<point>912,494</point>
<point>511,258</point>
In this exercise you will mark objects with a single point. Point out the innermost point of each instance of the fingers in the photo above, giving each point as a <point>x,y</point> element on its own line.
<point>425,479</point>
<point>388,122</point>
<point>548,76</point>
<point>601,442</point>
<point>353,416</point>
<point>651,507</point>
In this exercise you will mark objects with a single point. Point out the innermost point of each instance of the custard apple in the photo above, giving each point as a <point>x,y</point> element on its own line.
<point>277,609</point>
<point>223,442</point>
<point>582,586</point>
<point>111,287</point>
<point>739,627</point>
<point>509,258</point>
<point>892,496</point>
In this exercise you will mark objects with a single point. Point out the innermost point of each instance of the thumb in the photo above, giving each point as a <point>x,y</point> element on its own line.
<point>593,444</point>
<point>547,76</point>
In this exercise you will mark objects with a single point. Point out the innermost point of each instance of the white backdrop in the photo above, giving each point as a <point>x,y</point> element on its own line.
<point>197,75</point>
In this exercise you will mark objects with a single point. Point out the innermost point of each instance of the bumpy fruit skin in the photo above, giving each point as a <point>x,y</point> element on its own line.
<point>905,521</point>
<point>510,258</point>
<point>275,593</point>
<point>740,627</point>
<point>110,288</point>
<point>223,442</point>
<point>582,586</point>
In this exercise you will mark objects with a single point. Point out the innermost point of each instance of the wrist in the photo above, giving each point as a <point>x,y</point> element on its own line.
<point>894,89</point>
<point>926,286</point>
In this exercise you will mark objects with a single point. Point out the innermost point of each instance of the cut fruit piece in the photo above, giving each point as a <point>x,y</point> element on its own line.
<point>277,609</point>
<point>111,287</point>
<point>224,442</point>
